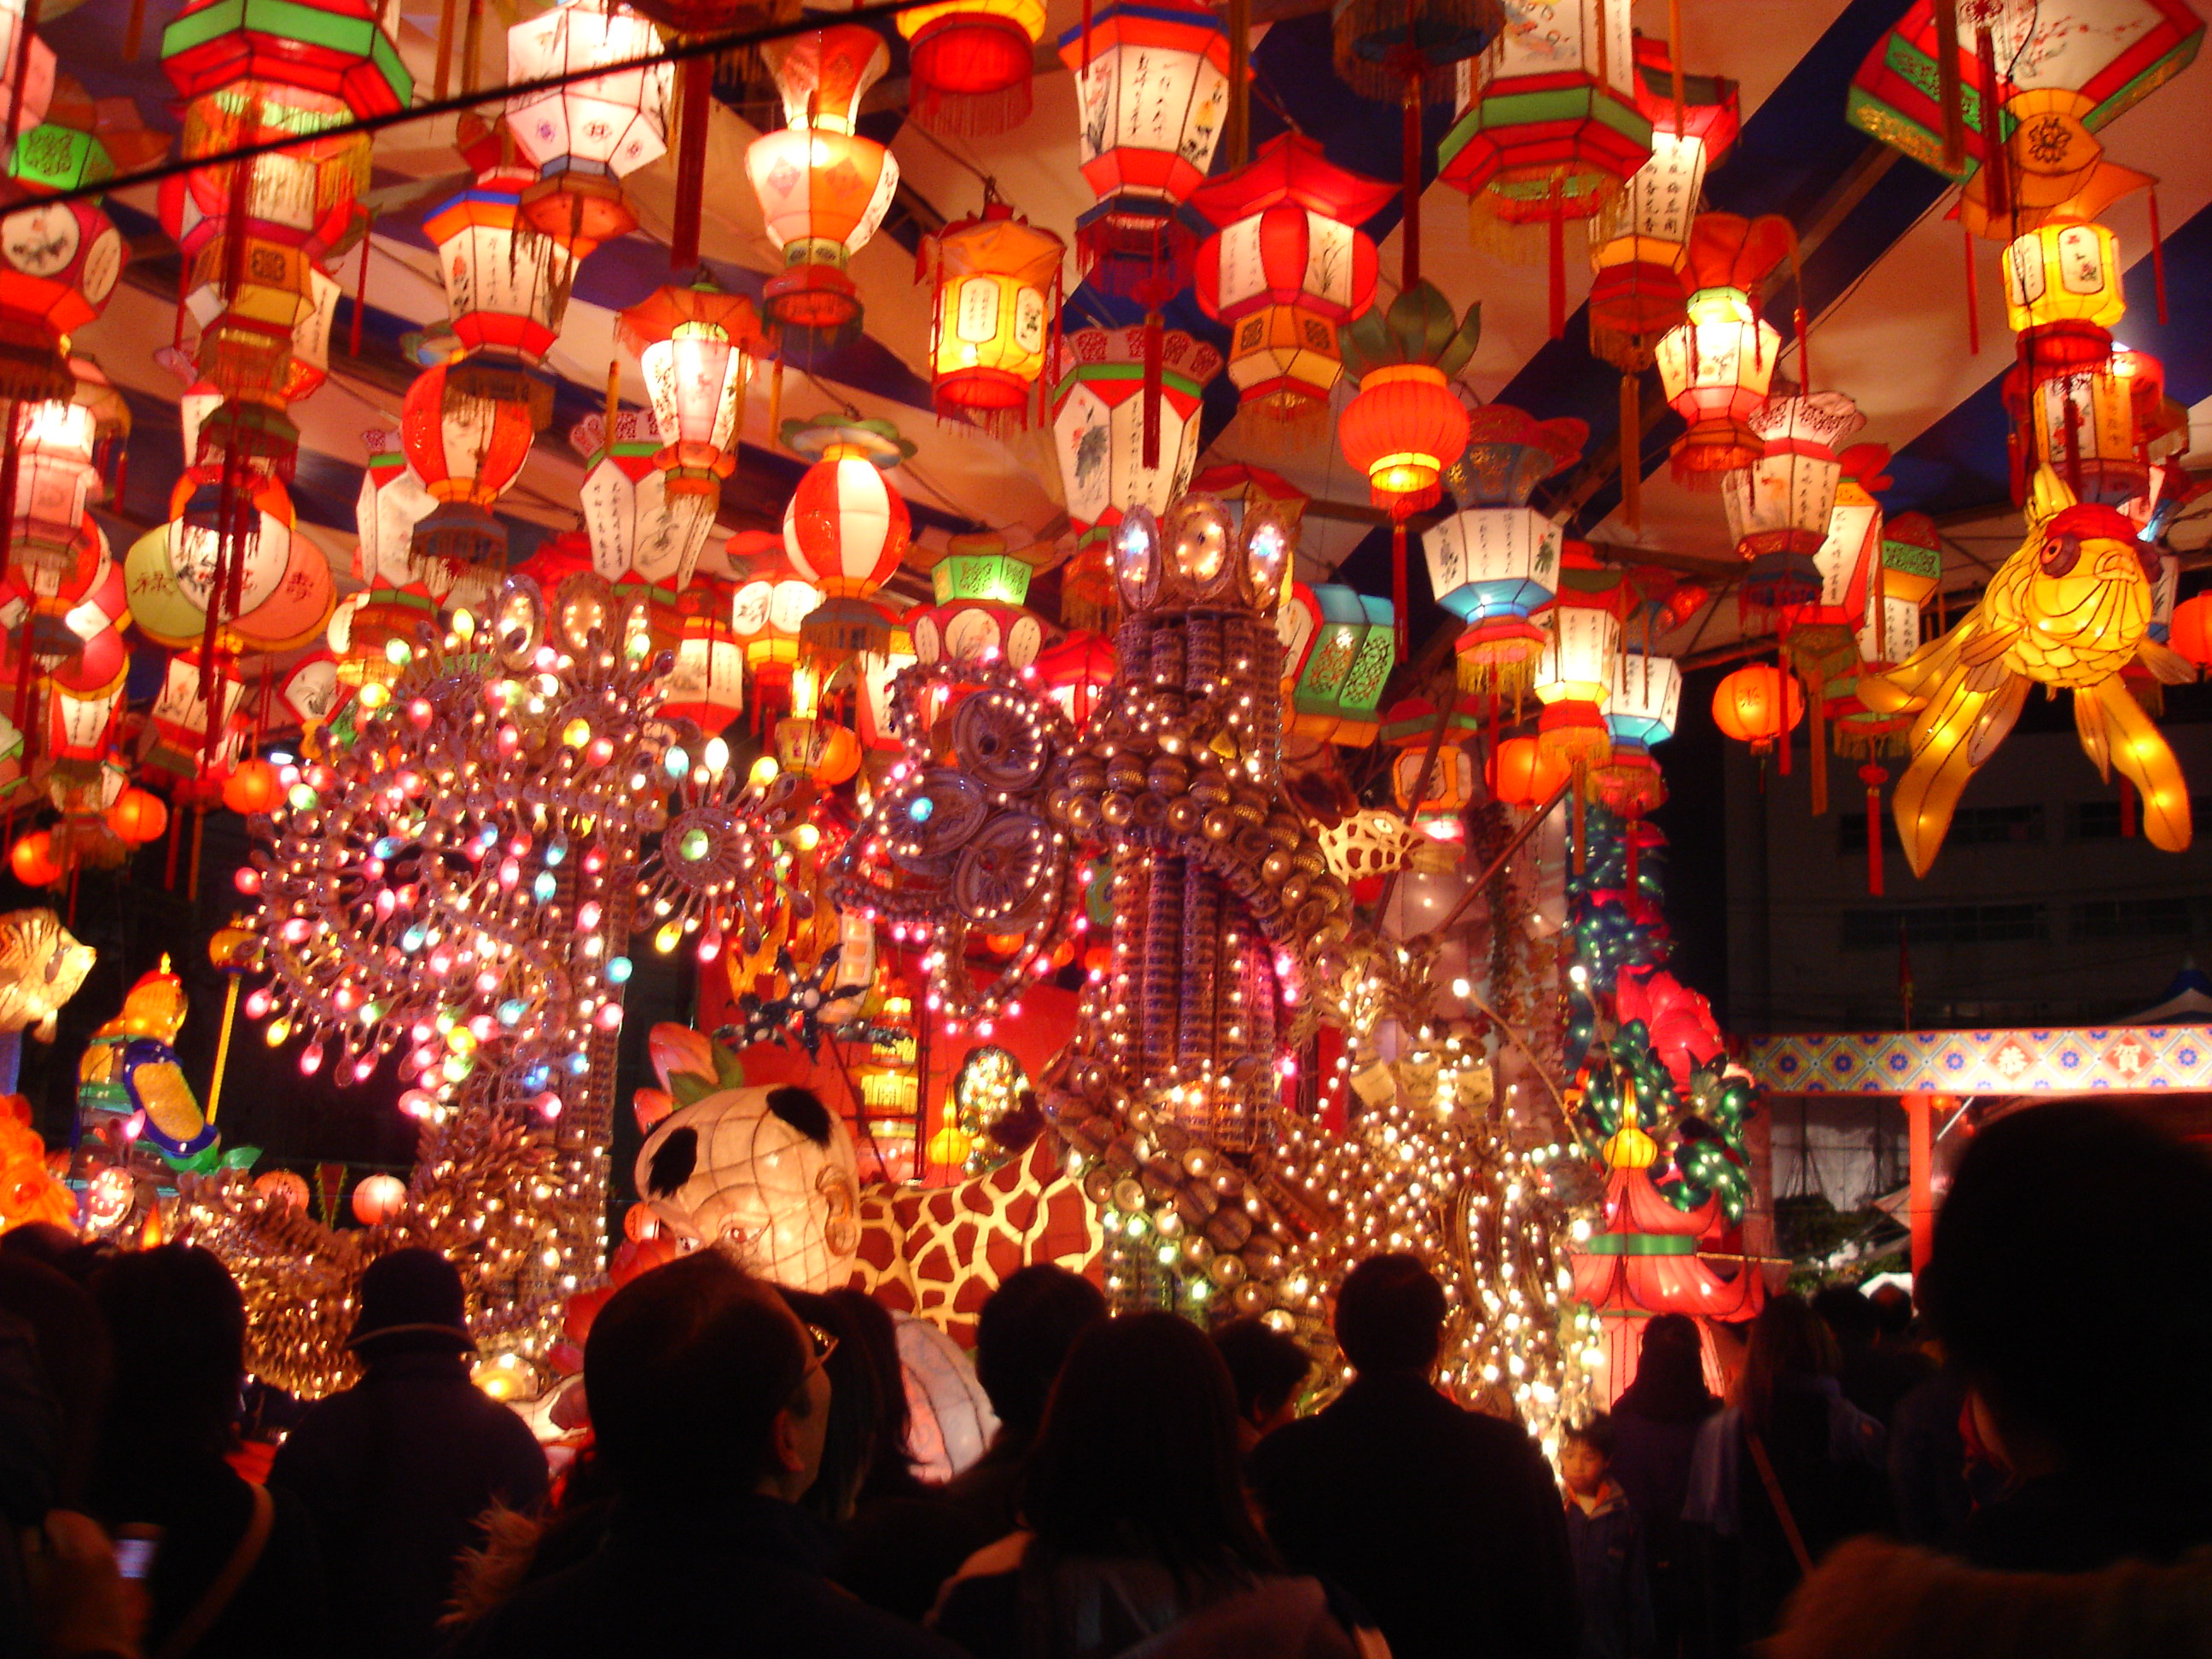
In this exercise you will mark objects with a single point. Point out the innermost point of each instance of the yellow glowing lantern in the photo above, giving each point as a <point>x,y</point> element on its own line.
<point>998,283</point>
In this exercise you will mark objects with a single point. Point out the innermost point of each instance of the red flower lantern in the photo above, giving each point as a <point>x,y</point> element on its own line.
<point>971,62</point>
<point>846,527</point>
<point>1285,265</point>
<point>1717,364</point>
<point>823,188</point>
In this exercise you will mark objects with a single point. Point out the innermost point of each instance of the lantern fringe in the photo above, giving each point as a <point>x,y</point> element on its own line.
<point>1121,256</point>
<point>1853,743</point>
<point>1362,27</point>
<point>1630,350</point>
<point>1519,230</point>
<point>1515,679</point>
<point>970,114</point>
<point>1283,423</point>
<point>1003,424</point>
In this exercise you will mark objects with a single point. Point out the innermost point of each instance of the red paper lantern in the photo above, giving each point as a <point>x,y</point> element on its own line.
<point>1521,773</point>
<point>378,1199</point>
<point>1404,427</point>
<point>1758,705</point>
<point>971,62</point>
<point>31,859</point>
<point>1077,672</point>
<point>467,445</point>
<point>1716,365</point>
<point>137,816</point>
<point>846,527</point>
<point>253,788</point>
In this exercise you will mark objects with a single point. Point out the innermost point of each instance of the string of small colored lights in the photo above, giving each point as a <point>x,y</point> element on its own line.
<point>451,880</point>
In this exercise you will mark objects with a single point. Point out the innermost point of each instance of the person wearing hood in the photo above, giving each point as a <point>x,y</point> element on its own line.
<point>399,1469</point>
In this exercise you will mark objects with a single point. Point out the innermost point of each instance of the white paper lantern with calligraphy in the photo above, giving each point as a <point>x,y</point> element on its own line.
<point>1099,420</point>
<point>639,530</point>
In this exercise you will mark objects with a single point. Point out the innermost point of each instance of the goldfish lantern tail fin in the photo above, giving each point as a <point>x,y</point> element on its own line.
<point>1907,687</point>
<point>2168,666</point>
<point>2096,738</point>
<point>1959,730</point>
<point>2139,748</point>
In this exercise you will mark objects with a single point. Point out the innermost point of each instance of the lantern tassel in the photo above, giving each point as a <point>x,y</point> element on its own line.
<point>775,404</point>
<point>1874,777</point>
<point>1410,230</point>
<point>697,81</point>
<point>611,411</point>
<point>1631,453</point>
<point>1398,592</point>
<point>134,30</point>
<point>1783,681</point>
<point>1998,190</point>
<point>1817,715</point>
<point>1086,37</point>
<point>1555,239</point>
<point>2157,256</point>
<point>1628,840</point>
<point>22,66</point>
<point>445,73</point>
<point>1947,91</point>
<point>1974,298</point>
<point>471,45</point>
<point>1155,339</point>
<point>361,288</point>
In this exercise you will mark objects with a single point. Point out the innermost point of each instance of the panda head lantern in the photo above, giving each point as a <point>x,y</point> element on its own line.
<point>767,1174</point>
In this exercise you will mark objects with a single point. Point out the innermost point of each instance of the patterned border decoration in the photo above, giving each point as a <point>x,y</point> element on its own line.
<point>2021,1062</point>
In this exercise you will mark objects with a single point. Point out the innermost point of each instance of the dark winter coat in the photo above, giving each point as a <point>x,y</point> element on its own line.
<point>1443,1525</point>
<point>398,1471</point>
<point>1613,1572</point>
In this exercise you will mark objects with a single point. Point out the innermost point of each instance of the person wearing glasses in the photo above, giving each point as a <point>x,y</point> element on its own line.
<point>710,1401</point>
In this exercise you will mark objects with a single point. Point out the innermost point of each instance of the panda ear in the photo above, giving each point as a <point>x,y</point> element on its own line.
<point>673,1161</point>
<point>804,1111</point>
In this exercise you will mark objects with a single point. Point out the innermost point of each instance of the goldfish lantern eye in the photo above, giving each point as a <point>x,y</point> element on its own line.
<point>2061,553</point>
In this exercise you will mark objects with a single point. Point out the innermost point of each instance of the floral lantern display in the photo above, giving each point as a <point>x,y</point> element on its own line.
<point>696,346</point>
<point>823,188</point>
<point>1779,507</point>
<point>1554,128</point>
<point>584,138</point>
<point>1125,428</point>
<point>1642,708</point>
<point>1715,365</point>
<point>998,300</point>
<point>641,528</point>
<point>980,588</point>
<point>1339,647</point>
<point>1495,562</point>
<point>1287,264</point>
<point>971,63</point>
<point>1407,423</point>
<point>506,282</point>
<point>1151,88</point>
<point>846,529</point>
<point>467,445</point>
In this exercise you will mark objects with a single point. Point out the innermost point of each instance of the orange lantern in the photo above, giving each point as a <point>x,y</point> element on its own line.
<point>1523,774</point>
<point>137,816</point>
<point>1758,705</point>
<point>378,1199</point>
<point>31,859</point>
<point>971,62</point>
<point>823,188</point>
<point>998,292</point>
<point>467,447</point>
<point>582,138</point>
<point>695,346</point>
<point>253,788</point>
<point>845,526</point>
<point>2190,631</point>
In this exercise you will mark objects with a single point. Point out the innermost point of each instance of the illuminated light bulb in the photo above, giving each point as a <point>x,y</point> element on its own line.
<point>248,881</point>
<point>610,1017</point>
<point>549,1105</point>
<point>716,757</point>
<point>765,772</point>
<point>668,936</point>
<point>257,1002</point>
<point>587,915</point>
<point>544,886</point>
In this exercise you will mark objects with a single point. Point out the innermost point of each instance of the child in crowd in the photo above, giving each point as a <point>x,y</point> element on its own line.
<point>1611,1573</point>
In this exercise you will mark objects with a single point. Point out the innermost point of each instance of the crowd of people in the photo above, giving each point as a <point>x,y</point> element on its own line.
<point>2019,1466</point>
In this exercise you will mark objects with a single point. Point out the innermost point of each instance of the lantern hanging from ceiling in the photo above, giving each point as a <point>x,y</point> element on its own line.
<point>769,610</point>
<point>83,699</point>
<point>1438,767</point>
<point>971,62</point>
<point>506,282</point>
<point>696,346</point>
<point>1495,562</point>
<point>823,188</point>
<point>2063,292</point>
<point>584,138</point>
<point>27,71</point>
<point>58,265</point>
<point>1821,635</point>
<point>2093,425</point>
<point>337,51</point>
<point>468,447</point>
<point>1152,86</point>
<point>846,528</point>
<point>1575,676</point>
<point>1641,709</point>
<point>1640,241</point>
<point>55,480</point>
<point>1078,673</point>
<point>181,712</point>
<point>998,295</point>
<point>1338,649</point>
<point>1407,423</point>
<point>1521,772</point>
<point>1552,129</point>
<point>1110,396</point>
<point>707,683</point>
<point>1287,264</point>
<point>1717,364</point>
<point>1758,705</point>
<point>1391,51</point>
<point>981,587</point>
<point>1778,506</point>
<point>873,672</point>
<point>639,529</point>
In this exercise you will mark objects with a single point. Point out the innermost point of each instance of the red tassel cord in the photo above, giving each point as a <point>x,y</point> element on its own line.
<point>1154,340</point>
<point>361,290</point>
<point>1874,777</point>
<point>696,80</point>
<point>2158,257</point>
<point>1974,298</point>
<point>1998,190</point>
<point>1555,235</point>
<point>1398,595</point>
<point>1410,231</point>
<point>1949,93</point>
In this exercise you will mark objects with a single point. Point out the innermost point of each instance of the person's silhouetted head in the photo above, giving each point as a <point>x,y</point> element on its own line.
<point>1788,1343</point>
<point>702,1385</point>
<point>1892,1311</point>
<point>176,1327</point>
<point>1390,1316</point>
<point>869,1324</point>
<point>1023,1335</point>
<point>849,1438</point>
<point>1265,1369</point>
<point>410,1301</point>
<point>1849,1318</point>
<point>1670,1386</point>
<point>1138,1453</point>
<point>2075,1207</point>
<point>1586,1452</point>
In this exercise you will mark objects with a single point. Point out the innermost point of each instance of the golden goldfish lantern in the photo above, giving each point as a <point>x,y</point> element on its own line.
<point>2069,609</point>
